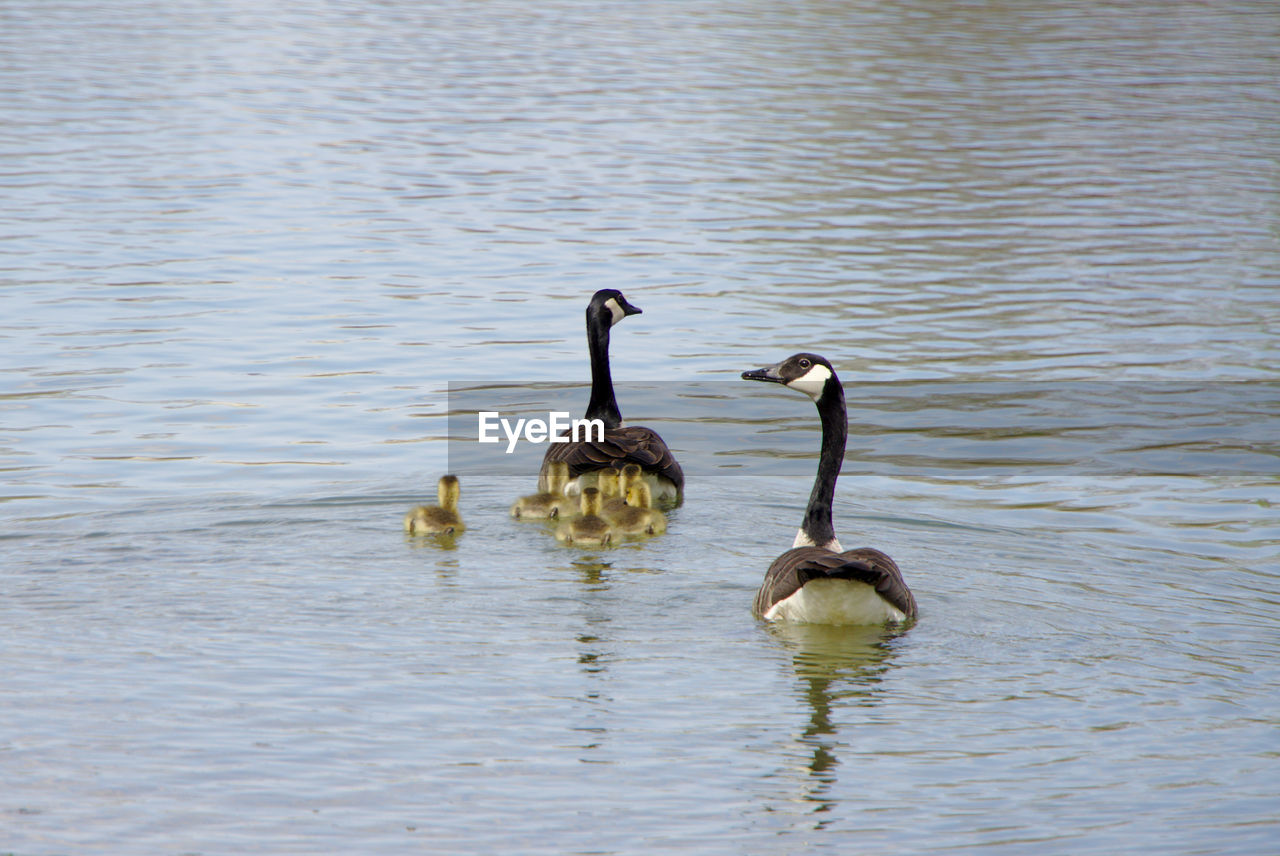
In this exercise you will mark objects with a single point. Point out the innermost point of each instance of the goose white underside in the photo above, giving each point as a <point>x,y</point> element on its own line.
<point>835,601</point>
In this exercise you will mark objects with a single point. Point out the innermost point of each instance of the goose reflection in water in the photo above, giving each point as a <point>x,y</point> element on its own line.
<point>839,669</point>
<point>595,653</point>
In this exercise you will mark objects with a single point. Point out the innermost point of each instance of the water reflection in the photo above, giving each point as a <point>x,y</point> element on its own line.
<point>594,654</point>
<point>441,540</point>
<point>591,570</point>
<point>593,660</point>
<point>836,667</point>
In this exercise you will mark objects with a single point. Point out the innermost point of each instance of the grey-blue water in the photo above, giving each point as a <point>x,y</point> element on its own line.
<point>247,250</point>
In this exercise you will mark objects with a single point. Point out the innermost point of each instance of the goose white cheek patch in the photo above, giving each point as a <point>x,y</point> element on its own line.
<point>811,383</point>
<point>615,310</point>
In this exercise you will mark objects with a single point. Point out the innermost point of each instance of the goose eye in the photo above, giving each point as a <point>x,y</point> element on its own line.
<point>805,363</point>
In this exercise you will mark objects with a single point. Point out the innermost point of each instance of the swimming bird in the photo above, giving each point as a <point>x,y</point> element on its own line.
<point>638,517</point>
<point>608,481</point>
<point>616,500</point>
<point>817,581</point>
<point>621,444</point>
<point>437,520</point>
<point>550,503</point>
<point>587,529</point>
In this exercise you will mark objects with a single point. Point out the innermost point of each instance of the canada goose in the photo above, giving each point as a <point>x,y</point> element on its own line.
<point>587,529</point>
<point>638,517</point>
<point>550,503</point>
<point>621,444</point>
<point>817,581</point>
<point>441,519</point>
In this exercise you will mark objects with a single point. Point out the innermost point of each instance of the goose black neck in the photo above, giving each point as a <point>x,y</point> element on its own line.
<point>835,431</point>
<point>603,405</point>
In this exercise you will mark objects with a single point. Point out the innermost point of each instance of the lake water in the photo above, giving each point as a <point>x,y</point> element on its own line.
<point>250,253</point>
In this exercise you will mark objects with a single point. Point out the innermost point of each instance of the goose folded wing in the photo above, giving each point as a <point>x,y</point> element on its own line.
<point>633,444</point>
<point>796,567</point>
<point>890,585</point>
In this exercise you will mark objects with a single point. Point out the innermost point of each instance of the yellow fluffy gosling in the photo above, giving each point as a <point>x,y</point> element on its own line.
<point>638,517</point>
<point>613,505</point>
<point>437,520</point>
<point>550,503</point>
<point>587,529</point>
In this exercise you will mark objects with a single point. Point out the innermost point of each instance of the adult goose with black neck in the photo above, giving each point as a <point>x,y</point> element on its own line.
<point>621,444</point>
<point>817,581</point>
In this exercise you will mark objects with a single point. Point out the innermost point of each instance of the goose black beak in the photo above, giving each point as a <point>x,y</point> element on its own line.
<point>628,308</point>
<point>768,373</point>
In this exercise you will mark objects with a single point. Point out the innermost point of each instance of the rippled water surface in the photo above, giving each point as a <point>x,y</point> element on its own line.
<point>250,254</point>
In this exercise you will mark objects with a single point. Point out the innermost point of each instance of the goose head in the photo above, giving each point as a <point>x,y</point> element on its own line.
<point>608,305</point>
<point>808,373</point>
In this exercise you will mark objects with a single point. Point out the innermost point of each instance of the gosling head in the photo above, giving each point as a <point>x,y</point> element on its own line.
<point>629,476</point>
<point>808,373</point>
<point>557,477</point>
<point>607,481</point>
<point>447,491</point>
<point>590,501</point>
<point>639,495</point>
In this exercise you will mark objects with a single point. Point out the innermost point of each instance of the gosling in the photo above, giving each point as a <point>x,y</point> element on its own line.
<point>638,516</point>
<point>613,505</point>
<point>551,503</point>
<point>437,520</point>
<point>587,529</point>
<point>609,482</point>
